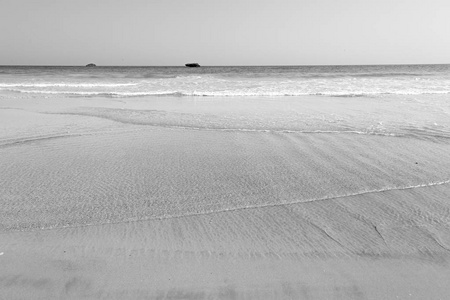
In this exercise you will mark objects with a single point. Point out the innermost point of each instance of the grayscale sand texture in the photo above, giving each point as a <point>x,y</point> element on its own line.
<point>183,198</point>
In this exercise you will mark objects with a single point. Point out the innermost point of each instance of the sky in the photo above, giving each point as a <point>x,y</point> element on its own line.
<point>224,32</point>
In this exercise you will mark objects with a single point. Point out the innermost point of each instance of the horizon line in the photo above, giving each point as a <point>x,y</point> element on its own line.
<point>212,66</point>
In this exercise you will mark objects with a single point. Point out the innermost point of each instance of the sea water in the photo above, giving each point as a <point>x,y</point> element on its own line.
<point>228,81</point>
<point>394,100</point>
<point>110,144</point>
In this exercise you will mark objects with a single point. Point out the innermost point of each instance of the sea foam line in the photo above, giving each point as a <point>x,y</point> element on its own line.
<point>222,129</point>
<point>89,85</point>
<point>431,184</point>
<point>20,141</point>
<point>125,94</point>
<point>424,185</point>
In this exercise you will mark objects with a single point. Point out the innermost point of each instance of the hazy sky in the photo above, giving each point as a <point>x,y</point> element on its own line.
<point>224,32</point>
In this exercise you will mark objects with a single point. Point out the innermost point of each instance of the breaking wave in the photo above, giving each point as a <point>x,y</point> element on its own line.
<point>336,81</point>
<point>124,94</point>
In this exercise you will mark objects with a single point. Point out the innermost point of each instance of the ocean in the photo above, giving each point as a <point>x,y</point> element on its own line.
<point>391,100</point>
<point>228,81</point>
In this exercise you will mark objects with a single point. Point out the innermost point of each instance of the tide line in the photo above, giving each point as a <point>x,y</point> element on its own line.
<point>25,140</point>
<point>306,201</point>
<point>231,129</point>
<point>424,185</point>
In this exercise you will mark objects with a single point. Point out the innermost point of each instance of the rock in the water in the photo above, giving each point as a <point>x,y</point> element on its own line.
<point>192,65</point>
<point>91,65</point>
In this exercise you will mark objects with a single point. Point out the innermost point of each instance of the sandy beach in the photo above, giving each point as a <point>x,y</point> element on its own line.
<point>193,198</point>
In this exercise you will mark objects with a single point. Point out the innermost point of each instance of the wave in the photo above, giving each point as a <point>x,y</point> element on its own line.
<point>75,85</point>
<point>157,76</point>
<point>94,93</point>
<point>126,94</point>
<point>245,82</point>
<point>389,74</point>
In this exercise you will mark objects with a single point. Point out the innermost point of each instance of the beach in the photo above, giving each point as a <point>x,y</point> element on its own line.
<point>224,198</point>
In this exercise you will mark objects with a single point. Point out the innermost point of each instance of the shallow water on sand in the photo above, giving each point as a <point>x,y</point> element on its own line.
<point>228,198</point>
<point>69,162</point>
<point>160,173</point>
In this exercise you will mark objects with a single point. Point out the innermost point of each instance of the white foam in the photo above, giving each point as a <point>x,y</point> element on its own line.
<point>234,84</point>
<point>80,85</point>
<point>221,93</point>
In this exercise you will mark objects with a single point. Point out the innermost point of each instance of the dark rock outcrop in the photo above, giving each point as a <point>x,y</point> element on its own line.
<point>91,65</point>
<point>192,65</point>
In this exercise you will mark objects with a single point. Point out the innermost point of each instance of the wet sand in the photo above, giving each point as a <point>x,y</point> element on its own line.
<point>101,200</point>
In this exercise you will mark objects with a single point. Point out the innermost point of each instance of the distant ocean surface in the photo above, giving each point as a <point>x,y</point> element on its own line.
<point>341,81</point>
